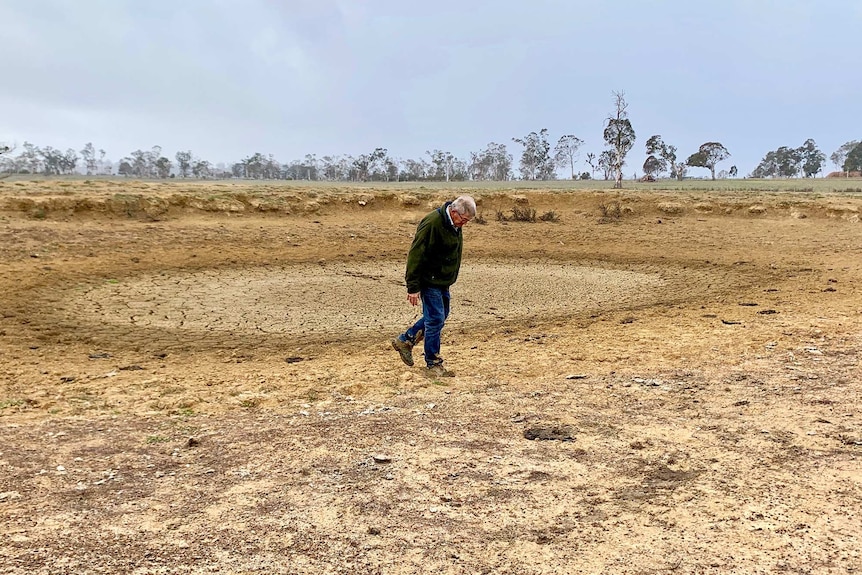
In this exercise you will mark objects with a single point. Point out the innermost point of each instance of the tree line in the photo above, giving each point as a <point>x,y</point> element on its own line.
<point>538,160</point>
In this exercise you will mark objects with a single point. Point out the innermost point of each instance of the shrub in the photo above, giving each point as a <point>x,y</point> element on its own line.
<point>523,214</point>
<point>611,211</point>
<point>550,216</point>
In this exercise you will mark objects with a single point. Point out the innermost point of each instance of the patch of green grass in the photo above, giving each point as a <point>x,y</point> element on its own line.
<point>156,439</point>
<point>11,403</point>
<point>251,402</point>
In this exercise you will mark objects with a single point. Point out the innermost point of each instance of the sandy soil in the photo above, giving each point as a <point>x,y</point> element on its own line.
<point>199,380</point>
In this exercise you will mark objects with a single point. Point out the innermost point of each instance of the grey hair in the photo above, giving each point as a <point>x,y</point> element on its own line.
<point>465,205</point>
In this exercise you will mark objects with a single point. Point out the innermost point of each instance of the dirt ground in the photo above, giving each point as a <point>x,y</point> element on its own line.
<point>198,379</point>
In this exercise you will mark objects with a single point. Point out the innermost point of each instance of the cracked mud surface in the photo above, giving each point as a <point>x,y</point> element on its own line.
<point>202,386</point>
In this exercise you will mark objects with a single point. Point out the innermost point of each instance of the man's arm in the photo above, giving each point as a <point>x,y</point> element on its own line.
<point>416,257</point>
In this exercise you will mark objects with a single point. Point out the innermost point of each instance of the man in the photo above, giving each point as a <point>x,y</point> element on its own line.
<point>432,266</point>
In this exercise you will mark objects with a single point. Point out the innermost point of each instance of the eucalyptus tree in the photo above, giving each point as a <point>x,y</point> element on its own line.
<point>393,169</point>
<point>8,165</point>
<point>605,163</point>
<point>653,166</point>
<point>566,151</point>
<point>788,162</point>
<point>492,163</point>
<point>666,156</point>
<point>163,167</point>
<point>443,165</point>
<point>88,154</point>
<point>619,135</point>
<point>329,168</point>
<point>591,162</point>
<point>708,156</point>
<point>536,161</point>
<point>201,168</point>
<point>767,168</point>
<point>377,164</point>
<point>839,155</point>
<point>184,162</point>
<point>31,158</point>
<point>812,158</point>
<point>853,161</point>
<point>359,167</point>
<point>415,170</point>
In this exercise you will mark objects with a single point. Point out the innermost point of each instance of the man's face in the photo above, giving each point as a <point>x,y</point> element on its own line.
<point>458,220</point>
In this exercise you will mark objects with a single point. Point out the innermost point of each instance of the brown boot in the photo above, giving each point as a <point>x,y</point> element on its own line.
<point>404,349</point>
<point>437,371</point>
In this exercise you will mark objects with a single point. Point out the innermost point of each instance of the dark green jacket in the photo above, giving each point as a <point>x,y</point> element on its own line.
<point>435,256</point>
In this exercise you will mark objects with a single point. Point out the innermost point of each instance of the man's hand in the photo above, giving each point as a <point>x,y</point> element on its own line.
<point>413,298</point>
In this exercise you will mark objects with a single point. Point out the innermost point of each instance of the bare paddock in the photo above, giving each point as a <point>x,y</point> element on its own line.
<point>199,381</point>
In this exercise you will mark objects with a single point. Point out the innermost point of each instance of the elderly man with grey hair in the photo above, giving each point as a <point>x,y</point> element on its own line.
<point>432,267</point>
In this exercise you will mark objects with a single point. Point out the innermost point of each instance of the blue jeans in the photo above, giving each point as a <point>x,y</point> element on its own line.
<point>435,310</point>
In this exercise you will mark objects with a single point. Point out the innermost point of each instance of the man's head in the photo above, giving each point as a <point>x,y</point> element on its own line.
<point>463,210</point>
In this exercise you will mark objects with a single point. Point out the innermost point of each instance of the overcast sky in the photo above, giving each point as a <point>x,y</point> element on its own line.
<point>227,78</point>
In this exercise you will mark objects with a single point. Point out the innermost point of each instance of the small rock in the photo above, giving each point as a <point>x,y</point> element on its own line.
<point>557,433</point>
<point>379,458</point>
<point>193,442</point>
<point>373,531</point>
<point>577,376</point>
